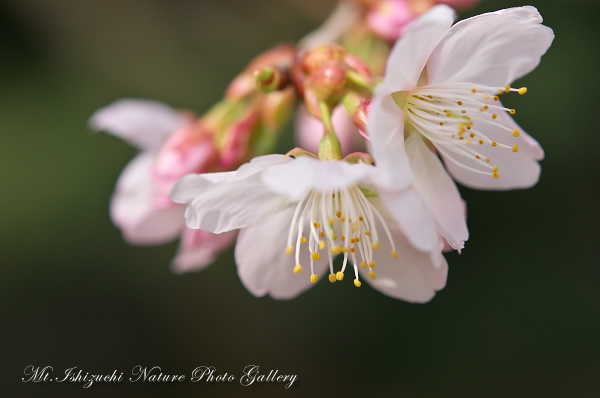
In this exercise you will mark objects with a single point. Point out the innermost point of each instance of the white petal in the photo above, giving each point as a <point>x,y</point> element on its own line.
<point>413,276</point>
<point>143,123</point>
<point>220,202</point>
<point>412,216</point>
<point>199,248</point>
<point>263,265</point>
<point>296,178</point>
<point>132,206</point>
<point>528,146</point>
<point>410,53</point>
<point>437,189</point>
<point>386,137</point>
<point>492,49</point>
<point>515,170</point>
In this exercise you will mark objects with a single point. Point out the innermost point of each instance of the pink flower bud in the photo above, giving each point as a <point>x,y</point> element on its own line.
<point>237,137</point>
<point>327,80</point>
<point>321,55</point>
<point>277,108</point>
<point>389,18</point>
<point>189,150</point>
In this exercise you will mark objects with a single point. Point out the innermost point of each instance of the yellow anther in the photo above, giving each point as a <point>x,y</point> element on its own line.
<point>495,174</point>
<point>487,160</point>
<point>496,98</point>
<point>372,274</point>
<point>507,88</point>
<point>472,135</point>
<point>361,218</point>
<point>495,168</point>
<point>500,91</point>
<point>394,253</point>
<point>356,240</point>
<point>477,157</point>
<point>323,234</point>
<point>338,213</point>
<point>461,138</point>
<point>372,264</point>
<point>375,245</point>
<point>367,233</point>
<point>481,142</point>
<point>459,102</point>
<point>321,244</point>
<point>344,249</point>
<point>494,143</point>
<point>515,148</point>
<point>339,276</point>
<point>343,219</point>
<point>297,269</point>
<point>332,278</point>
<point>289,250</point>
<point>469,142</point>
<point>314,278</point>
<point>343,238</point>
<point>473,90</point>
<point>353,250</point>
<point>315,256</point>
<point>512,111</point>
<point>494,116</point>
<point>317,225</point>
<point>363,264</point>
<point>522,90</point>
<point>516,133</point>
<point>469,127</point>
<point>337,249</point>
<point>357,283</point>
<point>485,107</point>
<point>351,240</point>
<point>441,123</point>
<point>331,220</point>
<point>486,97</point>
<point>303,239</point>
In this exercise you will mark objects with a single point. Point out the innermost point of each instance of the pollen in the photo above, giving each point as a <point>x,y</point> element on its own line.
<point>303,239</point>
<point>372,264</point>
<point>314,278</point>
<point>322,244</point>
<point>516,133</point>
<point>375,245</point>
<point>372,274</point>
<point>289,250</point>
<point>357,283</point>
<point>494,116</point>
<point>315,256</point>
<point>352,250</point>
<point>339,276</point>
<point>322,234</point>
<point>363,264</point>
<point>515,148</point>
<point>494,143</point>
<point>473,90</point>
<point>496,98</point>
<point>487,160</point>
<point>507,88</point>
<point>338,214</point>
<point>317,225</point>
<point>495,174</point>
<point>512,111</point>
<point>297,269</point>
<point>337,249</point>
<point>522,90</point>
<point>495,168</point>
<point>332,278</point>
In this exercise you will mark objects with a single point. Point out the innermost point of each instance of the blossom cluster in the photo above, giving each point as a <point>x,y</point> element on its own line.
<point>395,102</point>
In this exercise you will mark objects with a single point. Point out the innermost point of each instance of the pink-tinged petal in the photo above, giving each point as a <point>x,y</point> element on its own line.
<point>528,146</point>
<point>309,131</point>
<point>296,178</point>
<point>132,206</point>
<point>143,123</point>
<point>386,137</point>
<point>413,217</point>
<point>263,265</point>
<point>221,202</point>
<point>410,53</point>
<point>492,49</point>
<point>199,248</point>
<point>436,188</point>
<point>414,276</point>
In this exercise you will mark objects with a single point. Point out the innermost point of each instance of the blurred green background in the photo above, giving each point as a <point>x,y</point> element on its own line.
<point>519,316</point>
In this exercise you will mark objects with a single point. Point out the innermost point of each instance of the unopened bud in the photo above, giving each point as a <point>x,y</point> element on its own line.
<point>316,58</point>
<point>277,108</point>
<point>270,78</point>
<point>358,108</point>
<point>327,80</point>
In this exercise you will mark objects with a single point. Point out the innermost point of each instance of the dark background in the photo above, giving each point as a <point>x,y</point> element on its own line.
<point>520,313</point>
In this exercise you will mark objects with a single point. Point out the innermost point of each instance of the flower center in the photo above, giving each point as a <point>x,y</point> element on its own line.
<point>451,116</point>
<point>339,221</point>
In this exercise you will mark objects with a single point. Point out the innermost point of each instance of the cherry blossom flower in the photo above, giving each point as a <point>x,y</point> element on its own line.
<point>139,205</point>
<point>441,90</point>
<point>297,213</point>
